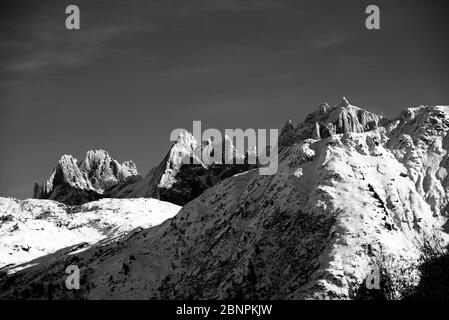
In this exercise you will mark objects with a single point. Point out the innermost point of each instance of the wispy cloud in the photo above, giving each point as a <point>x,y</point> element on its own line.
<point>48,45</point>
<point>59,49</point>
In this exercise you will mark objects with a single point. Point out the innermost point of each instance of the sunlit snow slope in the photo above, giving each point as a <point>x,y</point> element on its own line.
<point>33,228</point>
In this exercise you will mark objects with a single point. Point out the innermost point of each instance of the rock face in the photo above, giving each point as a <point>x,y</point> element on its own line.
<point>33,228</point>
<point>175,179</point>
<point>327,121</point>
<point>74,184</point>
<point>185,172</point>
<point>352,188</point>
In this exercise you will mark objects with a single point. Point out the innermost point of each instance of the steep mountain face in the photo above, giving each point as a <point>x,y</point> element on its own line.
<point>327,121</point>
<point>74,184</point>
<point>104,172</point>
<point>185,172</point>
<point>352,188</point>
<point>33,228</point>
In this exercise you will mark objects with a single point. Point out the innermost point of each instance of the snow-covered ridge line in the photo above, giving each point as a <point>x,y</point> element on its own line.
<point>33,228</point>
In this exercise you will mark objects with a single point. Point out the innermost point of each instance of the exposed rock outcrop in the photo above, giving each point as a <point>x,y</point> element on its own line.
<point>327,120</point>
<point>187,171</point>
<point>74,184</point>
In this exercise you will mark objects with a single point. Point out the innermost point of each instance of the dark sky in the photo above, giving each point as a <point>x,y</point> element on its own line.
<point>139,69</point>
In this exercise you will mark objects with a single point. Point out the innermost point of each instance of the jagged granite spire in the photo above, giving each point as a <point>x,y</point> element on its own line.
<point>73,183</point>
<point>179,181</point>
<point>344,102</point>
<point>327,120</point>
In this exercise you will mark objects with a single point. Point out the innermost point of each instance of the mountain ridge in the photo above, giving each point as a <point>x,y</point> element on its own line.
<point>372,190</point>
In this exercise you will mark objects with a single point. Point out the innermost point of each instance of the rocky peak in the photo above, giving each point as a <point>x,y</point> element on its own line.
<point>344,102</point>
<point>423,122</point>
<point>185,154</point>
<point>129,168</point>
<point>324,108</point>
<point>186,141</point>
<point>103,172</point>
<point>181,152</point>
<point>68,172</point>
<point>288,134</point>
<point>74,183</point>
<point>187,170</point>
<point>327,121</point>
<point>229,153</point>
<point>345,118</point>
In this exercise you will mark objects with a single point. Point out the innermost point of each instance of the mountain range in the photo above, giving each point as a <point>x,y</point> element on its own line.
<point>353,189</point>
<point>99,176</point>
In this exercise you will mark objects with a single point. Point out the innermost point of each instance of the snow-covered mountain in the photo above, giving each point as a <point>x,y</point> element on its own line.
<point>74,184</point>
<point>352,188</point>
<point>99,176</point>
<point>33,228</point>
<point>183,175</point>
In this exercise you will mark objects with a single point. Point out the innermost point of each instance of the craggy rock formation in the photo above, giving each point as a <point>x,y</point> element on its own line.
<point>352,188</point>
<point>327,121</point>
<point>174,180</point>
<point>74,184</point>
<point>182,175</point>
